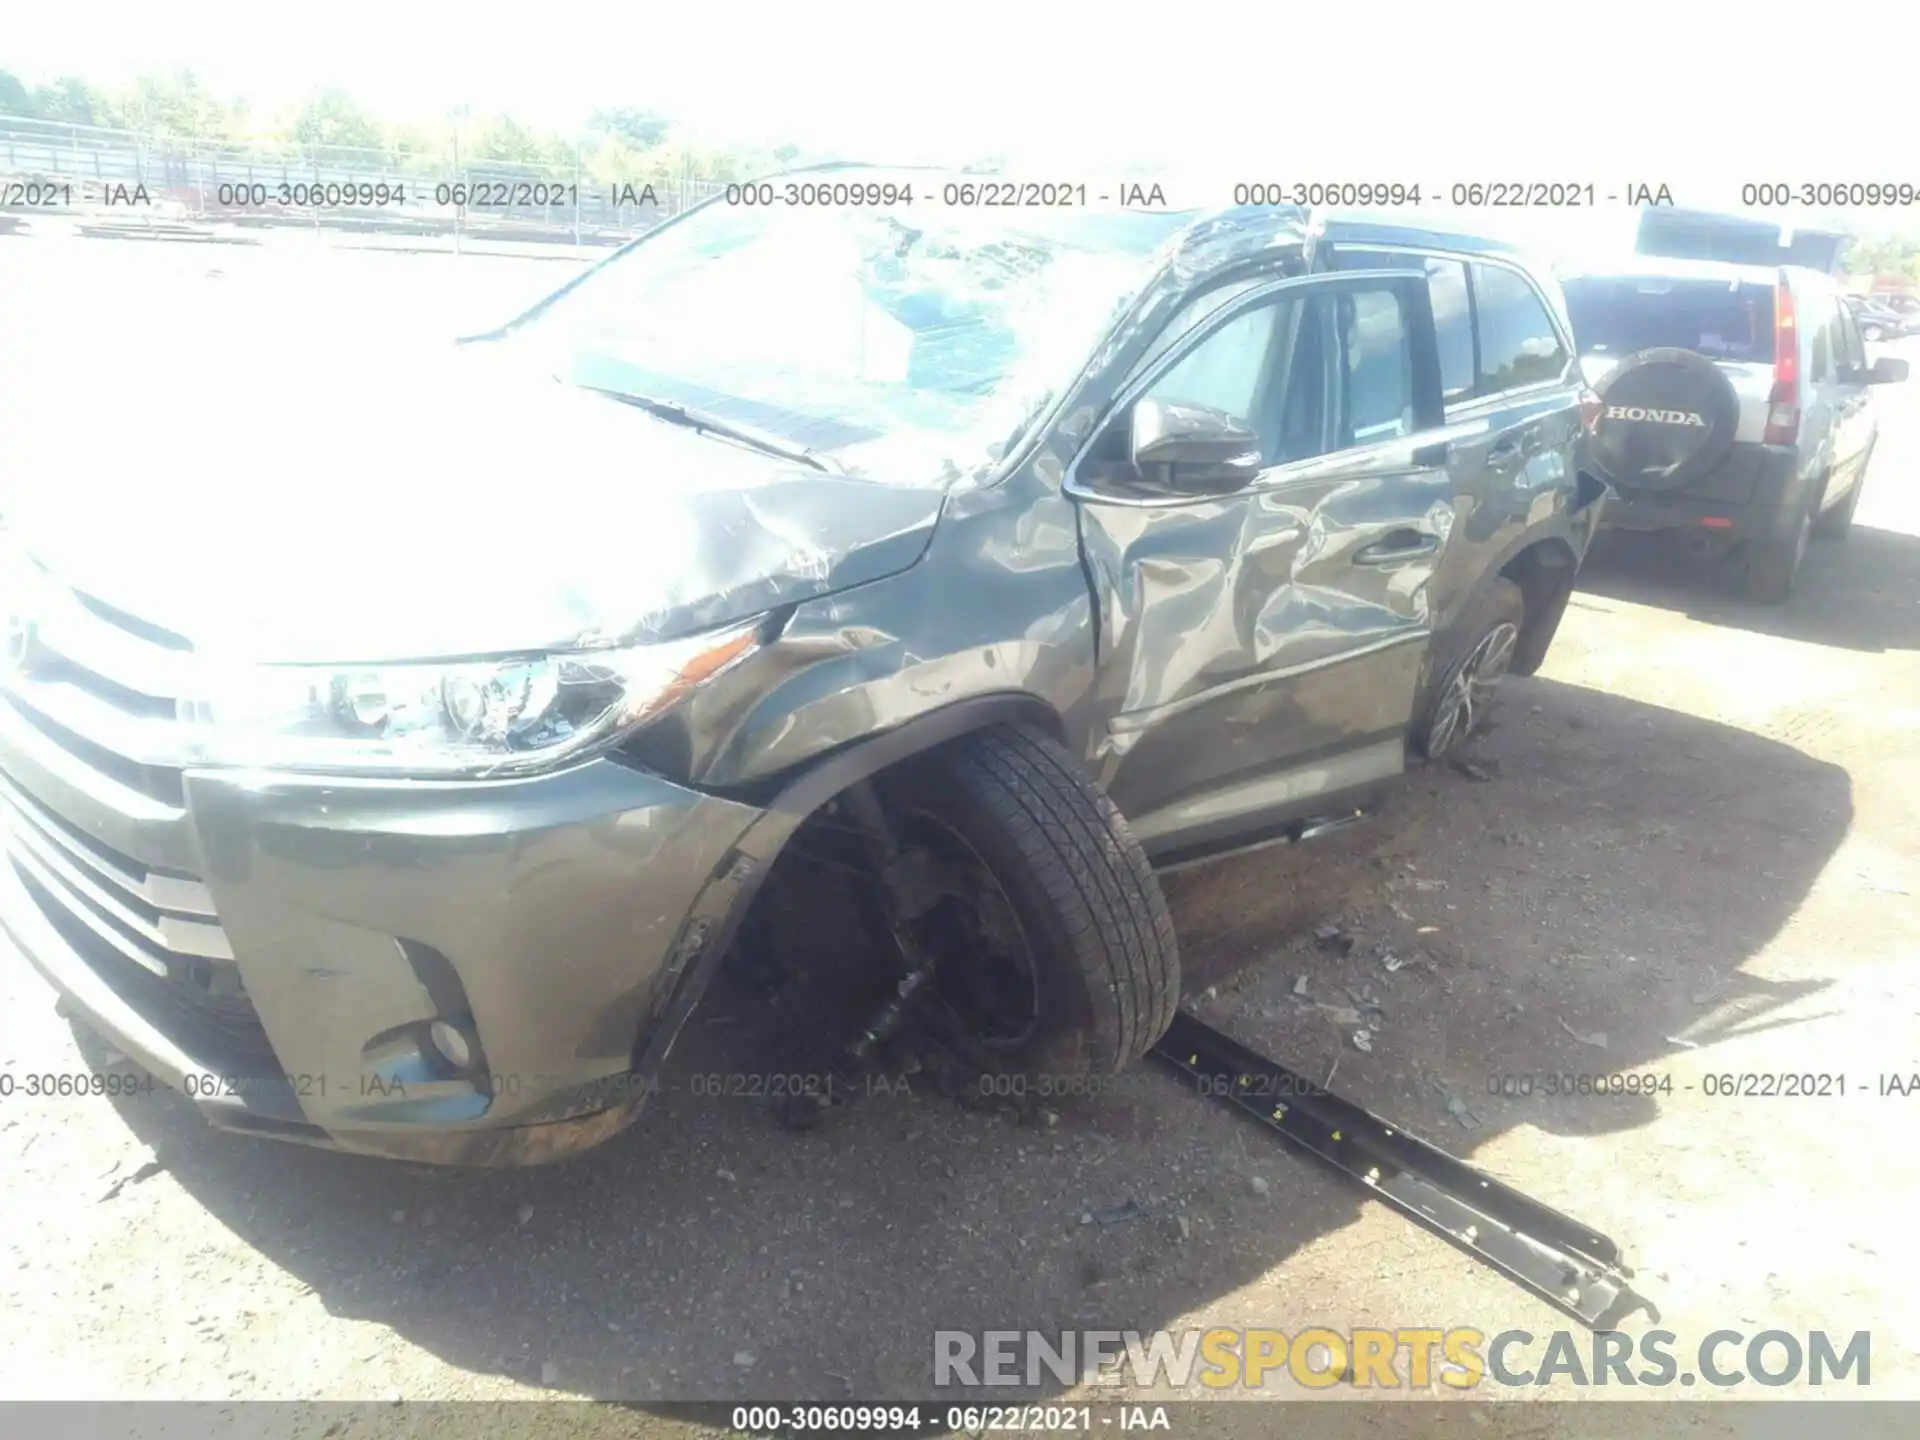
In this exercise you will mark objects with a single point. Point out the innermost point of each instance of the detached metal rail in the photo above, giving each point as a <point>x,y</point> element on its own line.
<point>1571,1266</point>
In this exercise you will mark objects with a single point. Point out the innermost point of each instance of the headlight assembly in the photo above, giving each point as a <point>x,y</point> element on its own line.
<point>471,718</point>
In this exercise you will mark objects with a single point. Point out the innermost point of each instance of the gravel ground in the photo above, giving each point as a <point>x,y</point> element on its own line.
<point>1689,848</point>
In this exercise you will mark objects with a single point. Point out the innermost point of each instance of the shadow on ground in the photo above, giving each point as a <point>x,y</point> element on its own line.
<point>1860,594</point>
<point>1611,872</point>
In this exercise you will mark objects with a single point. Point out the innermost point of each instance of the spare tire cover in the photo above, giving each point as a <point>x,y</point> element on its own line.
<point>1667,417</point>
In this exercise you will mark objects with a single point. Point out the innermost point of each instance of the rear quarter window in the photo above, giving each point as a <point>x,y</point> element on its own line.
<point>1518,344</point>
<point>1619,315</point>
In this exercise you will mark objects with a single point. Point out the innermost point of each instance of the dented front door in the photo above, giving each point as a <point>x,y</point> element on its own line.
<point>1260,651</point>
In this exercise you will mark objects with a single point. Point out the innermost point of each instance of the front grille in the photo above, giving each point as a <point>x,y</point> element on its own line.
<point>101,692</point>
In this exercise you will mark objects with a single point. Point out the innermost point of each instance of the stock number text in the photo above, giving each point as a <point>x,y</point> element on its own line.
<point>1829,192</point>
<point>302,196</point>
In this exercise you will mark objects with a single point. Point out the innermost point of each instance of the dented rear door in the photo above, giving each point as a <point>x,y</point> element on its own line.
<point>1260,651</point>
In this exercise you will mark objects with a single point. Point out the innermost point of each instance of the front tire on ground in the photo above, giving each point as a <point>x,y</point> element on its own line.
<point>1473,660</point>
<point>1057,951</point>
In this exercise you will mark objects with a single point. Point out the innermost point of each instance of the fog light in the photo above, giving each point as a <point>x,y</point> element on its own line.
<point>452,1044</point>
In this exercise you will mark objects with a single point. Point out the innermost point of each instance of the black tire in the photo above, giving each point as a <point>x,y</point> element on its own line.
<point>1471,662</point>
<point>1104,961</point>
<point>1773,564</point>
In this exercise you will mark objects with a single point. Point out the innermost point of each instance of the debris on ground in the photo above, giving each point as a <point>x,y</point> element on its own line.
<point>1363,1041</point>
<point>1300,986</point>
<point>1333,937</point>
<point>1119,1214</point>
<point>1598,1039</point>
<point>1259,1185</point>
<point>1457,1108</point>
<point>1391,962</point>
<point>146,1171</point>
<point>1478,769</point>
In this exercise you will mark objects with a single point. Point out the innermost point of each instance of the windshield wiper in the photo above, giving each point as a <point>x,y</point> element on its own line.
<point>762,440</point>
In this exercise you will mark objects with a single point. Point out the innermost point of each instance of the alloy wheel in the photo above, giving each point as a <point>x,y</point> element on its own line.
<point>1470,691</point>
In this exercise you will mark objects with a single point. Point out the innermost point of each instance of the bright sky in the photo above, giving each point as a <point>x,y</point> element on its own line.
<point>1703,96</point>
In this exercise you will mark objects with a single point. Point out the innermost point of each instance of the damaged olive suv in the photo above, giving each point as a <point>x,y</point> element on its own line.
<point>399,789</point>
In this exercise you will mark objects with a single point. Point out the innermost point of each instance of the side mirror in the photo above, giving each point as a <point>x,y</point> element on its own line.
<point>1192,447</point>
<point>1887,371</point>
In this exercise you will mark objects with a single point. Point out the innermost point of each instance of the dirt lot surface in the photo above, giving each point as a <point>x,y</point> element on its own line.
<point>1689,849</point>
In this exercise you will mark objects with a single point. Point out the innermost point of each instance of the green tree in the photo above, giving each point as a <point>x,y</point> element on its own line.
<point>1885,255</point>
<point>72,100</point>
<point>15,98</point>
<point>333,117</point>
<point>173,105</point>
<point>641,129</point>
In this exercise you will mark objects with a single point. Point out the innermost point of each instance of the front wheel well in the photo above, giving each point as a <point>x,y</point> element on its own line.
<point>1544,571</point>
<point>991,867</point>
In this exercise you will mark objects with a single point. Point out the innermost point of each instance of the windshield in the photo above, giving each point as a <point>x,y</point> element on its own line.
<point>1619,315</point>
<point>905,336</point>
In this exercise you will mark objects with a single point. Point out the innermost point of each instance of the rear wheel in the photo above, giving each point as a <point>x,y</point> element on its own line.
<point>1773,564</point>
<point>1051,942</point>
<point>1473,663</point>
<point>1837,523</point>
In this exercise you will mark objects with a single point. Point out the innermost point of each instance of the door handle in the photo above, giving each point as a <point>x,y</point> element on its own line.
<point>1401,545</point>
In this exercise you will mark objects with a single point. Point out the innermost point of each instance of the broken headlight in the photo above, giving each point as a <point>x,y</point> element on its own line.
<point>463,719</point>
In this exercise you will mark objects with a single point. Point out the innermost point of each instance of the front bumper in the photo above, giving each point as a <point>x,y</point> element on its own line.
<point>276,947</point>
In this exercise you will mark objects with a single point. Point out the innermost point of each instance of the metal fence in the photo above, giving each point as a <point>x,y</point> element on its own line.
<point>49,167</point>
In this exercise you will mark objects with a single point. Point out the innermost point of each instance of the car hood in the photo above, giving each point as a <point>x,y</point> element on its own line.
<point>416,504</point>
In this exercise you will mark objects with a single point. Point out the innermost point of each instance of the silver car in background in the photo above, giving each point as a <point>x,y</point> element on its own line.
<point>1737,405</point>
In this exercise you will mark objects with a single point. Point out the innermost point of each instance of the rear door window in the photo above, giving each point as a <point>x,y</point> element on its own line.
<point>1619,315</point>
<point>1518,344</point>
